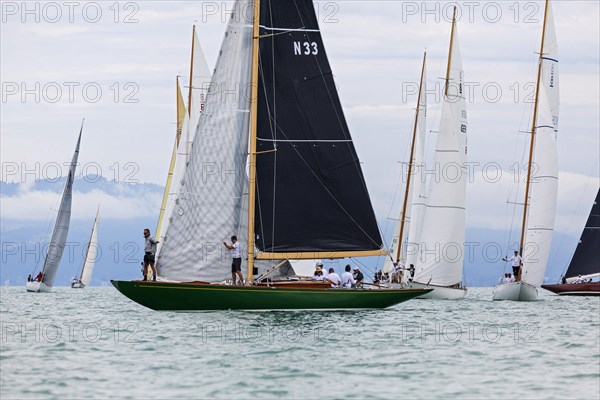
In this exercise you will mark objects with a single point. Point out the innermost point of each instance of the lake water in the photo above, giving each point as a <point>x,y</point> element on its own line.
<point>95,343</point>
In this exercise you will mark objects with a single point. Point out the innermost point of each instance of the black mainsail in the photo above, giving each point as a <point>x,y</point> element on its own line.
<point>586,260</point>
<point>311,193</point>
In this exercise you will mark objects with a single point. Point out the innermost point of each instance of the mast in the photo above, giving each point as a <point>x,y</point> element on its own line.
<point>450,52</point>
<point>163,205</point>
<point>532,143</point>
<point>191,73</point>
<point>252,139</point>
<point>410,162</point>
<point>89,244</point>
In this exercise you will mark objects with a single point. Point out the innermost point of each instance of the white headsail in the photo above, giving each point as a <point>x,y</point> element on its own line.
<point>92,253</point>
<point>441,250</point>
<point>61,226</point>
<point>416,189</point>
<point>188,119</point>
<point>210,198</point>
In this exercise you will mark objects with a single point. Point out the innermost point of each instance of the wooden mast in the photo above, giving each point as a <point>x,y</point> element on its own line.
<point>450,52</point>
<point>533,128</point>
<point>252,138</point>
<point>180,114</point>
<point>410,162</point>
<point>191,73</point>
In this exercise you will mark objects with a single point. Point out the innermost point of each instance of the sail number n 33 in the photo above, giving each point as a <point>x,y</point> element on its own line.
<point>305,48</point>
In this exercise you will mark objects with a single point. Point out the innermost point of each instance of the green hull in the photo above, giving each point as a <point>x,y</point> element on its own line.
<point>194,297</point>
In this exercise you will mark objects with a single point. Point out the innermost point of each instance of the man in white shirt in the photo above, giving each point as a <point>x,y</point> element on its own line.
<point>333,278</point>
<point>236,264</point>
<point>516,262</point>
<point>510,278</point>
<point>347,279</point>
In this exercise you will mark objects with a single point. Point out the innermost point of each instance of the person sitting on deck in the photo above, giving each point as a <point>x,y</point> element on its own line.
<point>333,278</point>
<point>396,272</point>
<point>348,280</point>
<point>39,277</point>
<point>510,278</point>
<point>579,279</point>
<point>29,279</point>
<point>563,280</point>
<point>318,276</point>
<point>359,277</point>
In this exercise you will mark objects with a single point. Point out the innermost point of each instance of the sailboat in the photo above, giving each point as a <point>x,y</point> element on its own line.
<point>437,220</point>
<point>541,189</point>
<point>289,181</point>
<point>187,123</point>
<point>90,258</point>
<point>45,279</point>
<point>585,264</point>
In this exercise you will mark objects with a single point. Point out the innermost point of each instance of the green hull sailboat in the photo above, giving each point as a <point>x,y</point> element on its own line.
<point>273,163</point>
<point>161,296</point>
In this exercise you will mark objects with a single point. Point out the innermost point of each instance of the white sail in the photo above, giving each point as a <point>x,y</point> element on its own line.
<point>201,77</point>
<point>549,78</point>
<point>209,201</point>
<point>543,196</point>
<point>92,253</point>
<point>178,172</point>
<point>441,250</point>
<point>61,226</point>
<point>544,178</point>
<point>415,210</point>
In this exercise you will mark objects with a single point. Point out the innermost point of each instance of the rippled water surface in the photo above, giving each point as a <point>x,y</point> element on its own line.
<point>95,343</point>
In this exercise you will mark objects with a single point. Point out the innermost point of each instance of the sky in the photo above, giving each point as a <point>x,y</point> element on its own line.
<point>115,63</point>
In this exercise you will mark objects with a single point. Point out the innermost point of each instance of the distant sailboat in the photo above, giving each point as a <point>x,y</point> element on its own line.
<point>187,125</point>
<point>90,258</point>
<point>295,142</point>
<point>437,223</point>
<point>585,263</point>
<point>541,189</point>
<point>59,235</point>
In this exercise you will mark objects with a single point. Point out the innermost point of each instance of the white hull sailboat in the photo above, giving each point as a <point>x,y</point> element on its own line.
<point>90,258</point>
<point>439,292</point>
<point>38,287</point>
<point>541,189</point>
<point>516,291</point>
<point>59,234</point>
<point>436,218</point>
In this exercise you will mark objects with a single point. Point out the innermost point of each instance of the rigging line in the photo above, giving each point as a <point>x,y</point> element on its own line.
<point>339,119</point>
<point>328,191</point>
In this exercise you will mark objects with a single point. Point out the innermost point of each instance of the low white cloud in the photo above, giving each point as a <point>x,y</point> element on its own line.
<point>29,204</point>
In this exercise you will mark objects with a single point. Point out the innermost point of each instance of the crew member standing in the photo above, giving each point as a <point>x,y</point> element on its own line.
<point>236,264</point>
<point>149,252</point>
